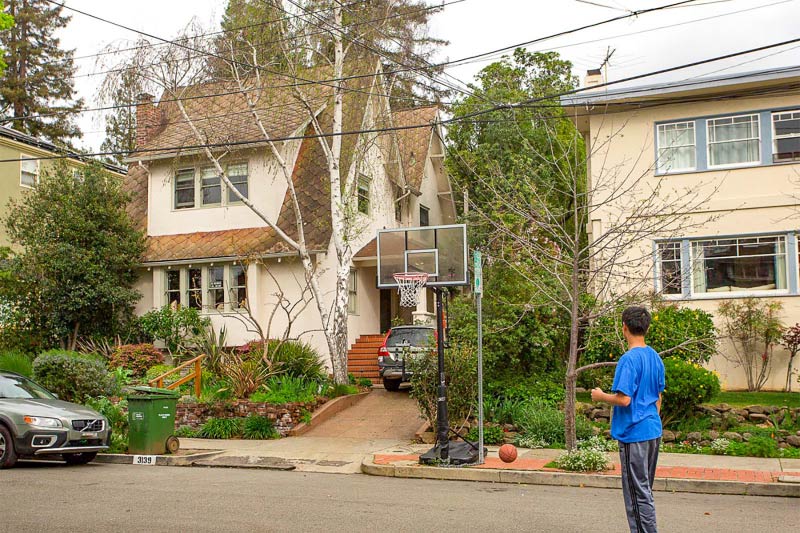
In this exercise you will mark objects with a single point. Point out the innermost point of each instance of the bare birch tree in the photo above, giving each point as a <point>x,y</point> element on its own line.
<point>330,79</point>
<point>586,254</point>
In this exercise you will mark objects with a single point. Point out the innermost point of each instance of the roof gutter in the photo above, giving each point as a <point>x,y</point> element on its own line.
<point>205,260</point>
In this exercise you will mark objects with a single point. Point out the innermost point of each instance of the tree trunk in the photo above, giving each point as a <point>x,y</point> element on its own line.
<point>570,384</point>
<point>789,374</point>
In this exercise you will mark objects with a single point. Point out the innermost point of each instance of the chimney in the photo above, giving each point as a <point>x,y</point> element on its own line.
<point>593,77</point>
<point>147,119</point>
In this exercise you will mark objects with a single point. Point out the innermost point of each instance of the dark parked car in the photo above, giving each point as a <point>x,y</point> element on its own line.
<point>35,423</point>
<point>402,342</point>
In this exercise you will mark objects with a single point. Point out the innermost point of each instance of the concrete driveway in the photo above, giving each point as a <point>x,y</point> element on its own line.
<point>382,422</point>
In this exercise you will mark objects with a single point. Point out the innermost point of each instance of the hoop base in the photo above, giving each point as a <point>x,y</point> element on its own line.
<point>410,285</point>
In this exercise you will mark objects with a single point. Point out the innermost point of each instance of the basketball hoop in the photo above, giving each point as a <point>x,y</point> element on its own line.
<point>409,285</point>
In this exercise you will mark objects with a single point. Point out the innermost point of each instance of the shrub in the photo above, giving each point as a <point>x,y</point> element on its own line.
<point>502,410</point>
<point>491,435</point>
<point>176,328</point>
<point>687,386</point>
<point>754,328</point>
<point>540,421</point>
<point>16,362</point>
<point>671,326</point>
<point>117,420</point>
<point>364,382</point>
<point>341,389</point>
<point>293,358</point>
<point>158,370</point>
<point>245,375</point>
<point>186,432</point>
<point>138,358</point>
<point>222,428</point>
<point>527,441</point>
<point>462,383</point>
<point>599,443</point>
<point>720,446</point>
<point>583,460</point>
<point>259,428</point>
<point>286,389</point>
<point>549,390</point>
<point>72,376</point>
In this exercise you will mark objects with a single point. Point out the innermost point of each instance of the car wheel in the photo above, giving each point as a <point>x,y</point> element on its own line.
<point>392,385</point>
<point>8,455</point>
<point>79,458</point>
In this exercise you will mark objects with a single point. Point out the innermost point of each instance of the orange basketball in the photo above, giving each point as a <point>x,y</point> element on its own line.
<point>507,453</point>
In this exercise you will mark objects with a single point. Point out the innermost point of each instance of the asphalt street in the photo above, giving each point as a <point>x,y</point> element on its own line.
<point>121,498</point>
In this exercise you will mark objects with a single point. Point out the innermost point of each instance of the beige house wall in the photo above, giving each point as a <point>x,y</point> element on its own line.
<point>736,201</point>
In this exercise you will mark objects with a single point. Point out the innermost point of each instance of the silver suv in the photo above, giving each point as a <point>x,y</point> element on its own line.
<point>399,342</point>
<point>35,423</point>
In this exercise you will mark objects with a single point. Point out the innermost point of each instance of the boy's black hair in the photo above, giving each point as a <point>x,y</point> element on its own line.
<point>637,319</point>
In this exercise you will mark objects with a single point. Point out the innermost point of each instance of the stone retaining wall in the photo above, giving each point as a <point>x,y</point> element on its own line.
<point>285,416</point>
<point>723,416</point>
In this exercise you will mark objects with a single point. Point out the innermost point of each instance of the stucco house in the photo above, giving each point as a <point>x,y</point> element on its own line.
<point>734,138</point>
<point>21,170</point>
<point>207,250</point>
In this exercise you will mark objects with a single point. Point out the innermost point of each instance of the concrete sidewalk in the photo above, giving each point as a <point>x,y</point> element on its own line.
<point>676,472</point>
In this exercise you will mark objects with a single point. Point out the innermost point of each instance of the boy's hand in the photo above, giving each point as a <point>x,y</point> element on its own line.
<point>598,394</point>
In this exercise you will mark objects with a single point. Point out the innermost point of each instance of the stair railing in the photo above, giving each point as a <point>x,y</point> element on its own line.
<point>196,374</point>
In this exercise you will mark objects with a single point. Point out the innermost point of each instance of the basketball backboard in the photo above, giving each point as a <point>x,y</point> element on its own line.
<point>441,251</point>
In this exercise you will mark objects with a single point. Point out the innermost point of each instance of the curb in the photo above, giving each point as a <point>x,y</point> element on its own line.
<point>161,460</point>
<point>327,411</point>
<point>568,479</point>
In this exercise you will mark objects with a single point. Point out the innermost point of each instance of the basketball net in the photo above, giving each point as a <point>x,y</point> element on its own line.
<point>409,285</point>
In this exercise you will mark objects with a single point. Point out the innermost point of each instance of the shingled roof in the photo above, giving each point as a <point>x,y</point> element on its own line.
<point>225,118</point>
<point>413,143</point>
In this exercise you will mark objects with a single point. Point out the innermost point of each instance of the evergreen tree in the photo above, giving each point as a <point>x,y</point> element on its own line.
<point>38,79</point>
<point>123,91</point>
<point>74,275</point>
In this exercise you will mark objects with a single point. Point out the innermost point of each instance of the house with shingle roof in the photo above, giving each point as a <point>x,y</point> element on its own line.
<point>208,250</point>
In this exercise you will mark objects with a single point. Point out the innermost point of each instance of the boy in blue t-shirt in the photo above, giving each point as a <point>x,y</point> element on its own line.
<point>636,421</point>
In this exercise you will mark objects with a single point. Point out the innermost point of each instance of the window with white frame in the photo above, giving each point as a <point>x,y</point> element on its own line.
<point>363,194</point>
<point>734,140</point>
<point>216,288</point>
<point>746,264</point>
<point>669,267</point>
<point>786,136</point>
<point>173,288</point>
<point>237,175</point>
<point>238,286</point>
<point>677,149</point>
<point>207,288</point>
<point>184,188</point>
<point>352,293</point>
<point>28,171</point>
<point>210,186</point>
<point>194,288</point>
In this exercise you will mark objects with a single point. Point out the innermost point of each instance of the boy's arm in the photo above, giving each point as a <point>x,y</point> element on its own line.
<point>618,398</point>
<point>658,403</point>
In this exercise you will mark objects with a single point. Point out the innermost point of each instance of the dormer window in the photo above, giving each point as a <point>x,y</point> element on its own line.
<point>210,186</point>
<point>204,187</point>
<point>184,189</point>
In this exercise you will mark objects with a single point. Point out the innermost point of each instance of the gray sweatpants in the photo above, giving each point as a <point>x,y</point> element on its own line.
<point>638,461</point>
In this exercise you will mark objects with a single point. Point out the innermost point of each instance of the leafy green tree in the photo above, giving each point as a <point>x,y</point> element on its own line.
<point>39,78</point>
<point>6,22</point>
<point>75,269</point>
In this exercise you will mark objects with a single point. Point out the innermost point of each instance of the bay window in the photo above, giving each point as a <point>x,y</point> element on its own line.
<point>208,288</point>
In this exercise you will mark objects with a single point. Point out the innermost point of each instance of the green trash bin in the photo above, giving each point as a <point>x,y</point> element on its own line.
<point>151,421</point>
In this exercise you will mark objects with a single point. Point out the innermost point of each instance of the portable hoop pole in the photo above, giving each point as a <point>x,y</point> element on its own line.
<point>442,423</point>
<point>478,289</point>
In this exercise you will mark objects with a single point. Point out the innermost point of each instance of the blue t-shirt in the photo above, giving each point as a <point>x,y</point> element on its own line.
<point>640,376</point>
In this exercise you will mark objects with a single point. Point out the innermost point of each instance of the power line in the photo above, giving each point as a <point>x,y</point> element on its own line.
<point>522,105</point>
<point>395,71</point>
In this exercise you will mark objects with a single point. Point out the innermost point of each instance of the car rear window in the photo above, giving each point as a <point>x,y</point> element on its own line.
<point>415,337</point>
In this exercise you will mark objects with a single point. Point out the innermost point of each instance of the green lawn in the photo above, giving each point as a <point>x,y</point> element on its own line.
<point>740,399</point>
<point>743,399</point>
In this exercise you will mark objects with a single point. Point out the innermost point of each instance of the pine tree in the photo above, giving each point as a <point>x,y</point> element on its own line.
<point>39,75</point>
<point>6,22</point>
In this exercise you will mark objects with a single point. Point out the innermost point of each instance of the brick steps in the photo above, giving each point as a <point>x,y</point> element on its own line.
<point>362,358</point>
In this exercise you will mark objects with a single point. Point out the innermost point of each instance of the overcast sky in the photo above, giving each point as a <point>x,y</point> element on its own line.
<point>642,44</point>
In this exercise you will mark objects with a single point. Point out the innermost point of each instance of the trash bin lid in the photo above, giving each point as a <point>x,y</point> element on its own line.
<point>153,393</point>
